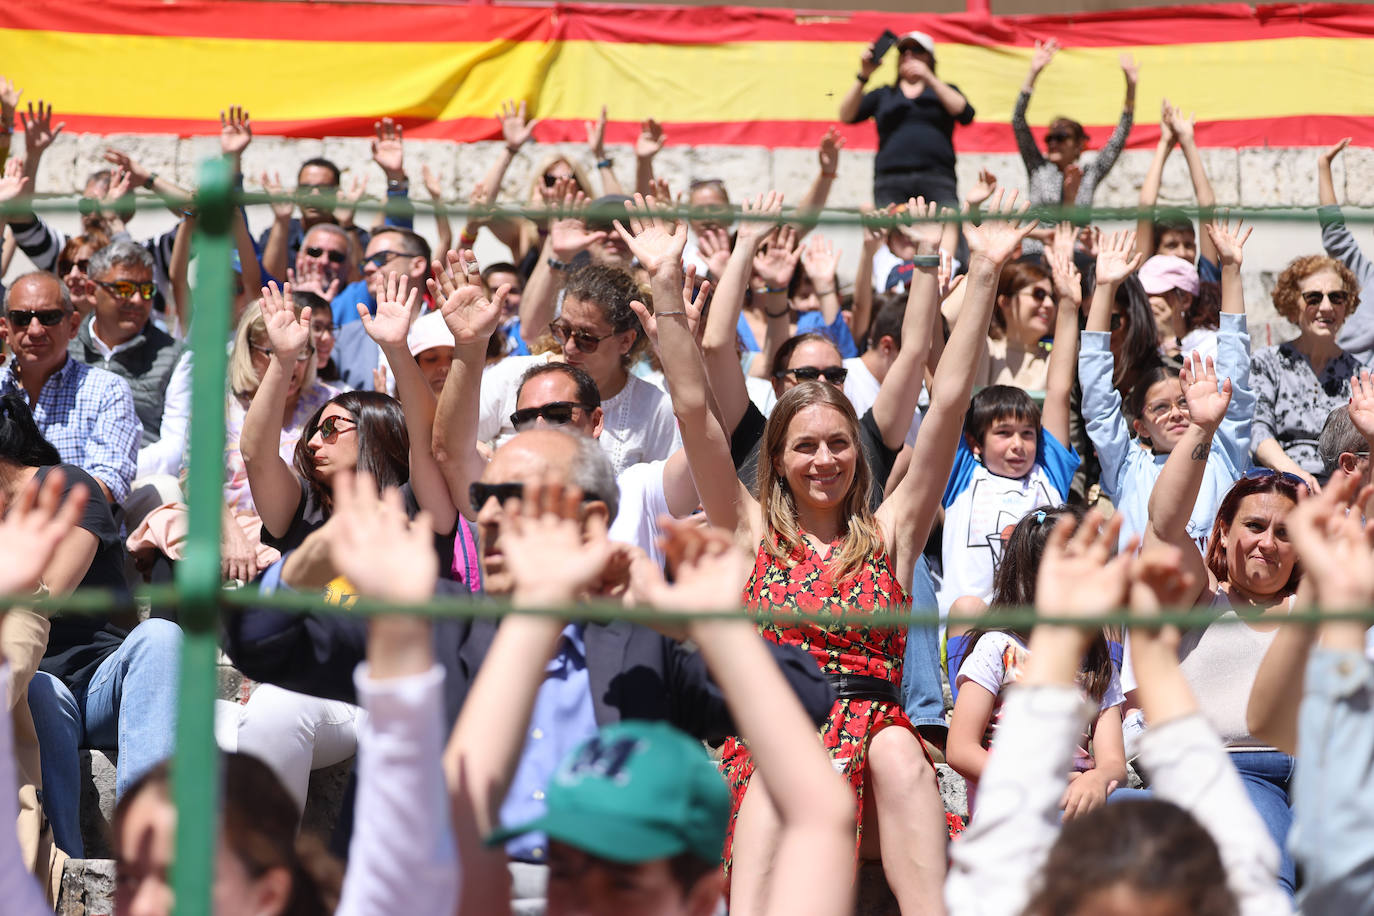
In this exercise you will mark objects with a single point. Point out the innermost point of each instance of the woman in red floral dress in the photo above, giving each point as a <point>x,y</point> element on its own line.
<point>825,559</point>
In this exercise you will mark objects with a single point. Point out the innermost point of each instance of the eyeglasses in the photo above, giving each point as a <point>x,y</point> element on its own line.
<point>550,179</point>
<point>65,267</point>
<point>479,493</point>
<point>835,375</point>
<point>321,329</point>
<point>382,257</point>
<point>22,318</point>
<point>1038,293</point>
<point>329,427</point>
<point>335,257</point>
<point>554,413</point>
<point>316,189</point>
<point>1338,297</point>
<point>305,355</point>
<point>1058,136</point>
<point>1285,476</point>
<point>125,289</point>
<point>585,343</point>
<point>1159,409</point>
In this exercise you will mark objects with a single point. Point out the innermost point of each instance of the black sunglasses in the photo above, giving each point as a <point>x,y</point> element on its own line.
<point>65,267</point>
<point>835,375</point>
<point>329,428</point>
<point>382,257</point>
<point>550,179</point>
<point>554,413</point>
<point>586,343</point>
<point>1339,298</point>
<point>48,318</point>
<point>335,257</point>
<point>1058,137</point>
<point>479,493</point>
<point>1038,293</point>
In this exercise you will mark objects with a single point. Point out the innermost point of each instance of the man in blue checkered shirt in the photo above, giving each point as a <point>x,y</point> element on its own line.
<point>87,413</point>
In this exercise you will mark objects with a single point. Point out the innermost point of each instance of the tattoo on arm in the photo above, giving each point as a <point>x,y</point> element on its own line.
<point>1201,450</point>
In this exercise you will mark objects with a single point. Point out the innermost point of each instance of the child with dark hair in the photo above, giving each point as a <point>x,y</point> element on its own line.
<point>1009,463</point>
<point>996,658</point>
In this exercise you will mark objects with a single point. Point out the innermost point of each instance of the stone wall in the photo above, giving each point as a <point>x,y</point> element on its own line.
<point>1282,177</point>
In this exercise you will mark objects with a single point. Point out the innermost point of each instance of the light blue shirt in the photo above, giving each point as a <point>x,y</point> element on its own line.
<point>1130,469</point>
<point>563,718</point>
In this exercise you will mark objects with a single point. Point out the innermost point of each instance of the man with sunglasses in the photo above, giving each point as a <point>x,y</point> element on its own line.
<point>86,413</point>
<point>391,250</point>
<point>120,337</point>
<point>324,264</point>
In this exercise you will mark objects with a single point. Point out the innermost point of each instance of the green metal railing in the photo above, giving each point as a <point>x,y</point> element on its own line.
<point>198,593</point>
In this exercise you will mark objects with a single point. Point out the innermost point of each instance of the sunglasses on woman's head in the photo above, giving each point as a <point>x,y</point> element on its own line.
<point>479,493</point>
<point>1339,298</point>
<point>586,343</point>
<point>329,427</point>
<point>835,375</point>
<point>335,257</point>
<point>1284,476</point>
<point>554,413</point>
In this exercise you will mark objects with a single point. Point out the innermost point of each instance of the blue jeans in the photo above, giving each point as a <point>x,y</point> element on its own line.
<point>129,705</point>
<point>923,696</point>
<point>1267,776</point>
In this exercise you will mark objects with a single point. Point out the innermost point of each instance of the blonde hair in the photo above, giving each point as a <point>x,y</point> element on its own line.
<point>781,534</point>
<point>584,181</point>
<point>243,377</point>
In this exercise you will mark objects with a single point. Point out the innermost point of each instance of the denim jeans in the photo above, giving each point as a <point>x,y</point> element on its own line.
<point>129,705</point>
<point>923,696</point>
<point>1267,776</point>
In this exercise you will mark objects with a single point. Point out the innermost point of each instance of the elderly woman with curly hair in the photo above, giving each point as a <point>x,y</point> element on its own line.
<point>1298,383</point>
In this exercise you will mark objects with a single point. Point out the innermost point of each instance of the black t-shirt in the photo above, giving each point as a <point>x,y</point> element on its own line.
<point>747,439</point>
<point>78,643</point>
<point>913,134</point>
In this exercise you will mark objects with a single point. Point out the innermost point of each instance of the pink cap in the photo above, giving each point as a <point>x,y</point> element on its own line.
<point>1164,272</point>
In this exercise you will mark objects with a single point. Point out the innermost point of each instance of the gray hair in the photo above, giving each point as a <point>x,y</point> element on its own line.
<point>64,295</point>
<point>120,253</point>
<point>592,472</point>
<point>1339,435</point>
<point>332,229</point>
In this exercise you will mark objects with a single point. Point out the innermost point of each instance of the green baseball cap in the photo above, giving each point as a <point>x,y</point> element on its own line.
<point>636,792</point>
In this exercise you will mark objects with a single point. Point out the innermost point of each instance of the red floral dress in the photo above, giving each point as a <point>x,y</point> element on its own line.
<point>802,582</point>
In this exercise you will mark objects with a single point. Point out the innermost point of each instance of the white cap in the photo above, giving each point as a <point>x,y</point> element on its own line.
<point>921,38</point>
<point>429,330</point>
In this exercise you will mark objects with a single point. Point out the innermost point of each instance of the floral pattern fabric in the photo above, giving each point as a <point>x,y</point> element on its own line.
<point>1292,401</point>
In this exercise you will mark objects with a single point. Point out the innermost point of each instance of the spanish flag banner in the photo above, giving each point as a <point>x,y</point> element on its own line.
<point>1277,75</point>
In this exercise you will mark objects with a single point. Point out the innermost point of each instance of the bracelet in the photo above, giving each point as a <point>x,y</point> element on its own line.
<point>556,264</point>
<point>779,314</point>
<point>604,163</point>
<point>671,314</point>
<point>825,292</point>
<point>830,174</point>
<point>863,80</point>
<point>926,260</point>
<point>775,289</point>
<point>467,238</point>
<point>148,182</point>
<point>512,148</point>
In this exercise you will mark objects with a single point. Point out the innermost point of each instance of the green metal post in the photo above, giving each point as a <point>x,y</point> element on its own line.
<point>195,774</point>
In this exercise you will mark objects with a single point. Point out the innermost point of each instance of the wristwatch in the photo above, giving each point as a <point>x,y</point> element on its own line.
<point>148,182</point>
<point>398,184</point>
<point>555,264</point>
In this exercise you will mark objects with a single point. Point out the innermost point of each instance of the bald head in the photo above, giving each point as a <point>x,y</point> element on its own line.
<point>40,288</point>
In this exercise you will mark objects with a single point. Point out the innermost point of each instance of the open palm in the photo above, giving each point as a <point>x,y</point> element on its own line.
<point>472,317</point>
<point>656,241</point>
<point>33,527</point>
<point>1078,575</point>
<point>288,334</point>
<point>1207,400</point>
<point>394,307</point>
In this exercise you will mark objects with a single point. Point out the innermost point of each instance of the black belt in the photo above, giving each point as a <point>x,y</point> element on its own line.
<point>863,687</point>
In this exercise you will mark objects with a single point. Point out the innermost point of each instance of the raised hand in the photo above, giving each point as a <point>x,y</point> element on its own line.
<point>39,132</point>
<point>288,333</point>
<point>32,528</point>
<point>312,278</point>
<point>388,148</point>
<point>1230,244</point>
<point>596,135</point>
<point>829,152</point>
<point>115,190</point>
<point>1180,125</point>
<point>867,64</point>
<point>376,546</point>
<point>758,217</point>
<point>655,240</point>
<point>1042,55</point>
<point>9,101</point>
<point>1078,576</point>
<point>714,247</point>
<point>346,200</point>
<point>549,556</point>
<point>1207,401</point>
<point>470,315</point>
<point>709,569</point>
<point>138,174</point>
<point>1131,68</point>
<point>516,130</point>
<point>1117,257</point>
<point>1166,128</point>
<point>480,209</point>
<point>568,232</point>
<point>694,300</point>
<point>14,181</point>
<point>777,261</point>
<point>1335,545</point>
<point>1068,282</point>
<point>235,131</point>
<point>1073,180</point>
<point>982,188</point>
<point>650,139</point>
<point>1003,230</point>
<point>1329,154</point>
<point>1362,403</point>
<point>1158,581</point>
<point>395,305</point>
<point>434,187</point>
<point>919,224</point>
<point>819,259</point>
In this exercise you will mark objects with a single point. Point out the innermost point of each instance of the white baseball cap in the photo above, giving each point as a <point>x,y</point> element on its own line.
<point>926,43</point>
<point>429,330</point>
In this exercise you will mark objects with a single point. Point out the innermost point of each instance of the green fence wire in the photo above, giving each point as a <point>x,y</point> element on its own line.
<point>198,592</point>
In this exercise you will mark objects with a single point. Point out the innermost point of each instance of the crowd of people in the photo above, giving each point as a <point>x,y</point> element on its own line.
<point>685,410</point>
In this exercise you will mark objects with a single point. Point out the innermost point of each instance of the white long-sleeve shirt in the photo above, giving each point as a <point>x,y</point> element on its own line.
<point>20,892</point>
<point>995,866</point>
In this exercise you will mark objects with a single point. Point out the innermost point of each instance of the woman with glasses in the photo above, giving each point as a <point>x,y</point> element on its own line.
<point>1134,436</point>
<point>1055,176</point>
<point>1248,577</point>
<point>1300,382</point>
<point>1018,352</point>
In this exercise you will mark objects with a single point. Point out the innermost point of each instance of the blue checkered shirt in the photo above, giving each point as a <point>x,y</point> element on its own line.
<point>88,415</point>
